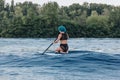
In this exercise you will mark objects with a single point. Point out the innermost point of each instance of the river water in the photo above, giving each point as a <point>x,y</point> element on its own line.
<point>88,59</point>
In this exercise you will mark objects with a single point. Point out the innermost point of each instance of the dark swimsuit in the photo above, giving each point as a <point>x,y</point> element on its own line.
<point>64,46</point>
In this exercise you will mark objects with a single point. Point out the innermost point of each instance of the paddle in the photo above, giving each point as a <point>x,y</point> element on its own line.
<point>47,48</point>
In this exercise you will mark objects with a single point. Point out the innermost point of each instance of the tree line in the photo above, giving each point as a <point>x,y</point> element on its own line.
<point>30,20</point>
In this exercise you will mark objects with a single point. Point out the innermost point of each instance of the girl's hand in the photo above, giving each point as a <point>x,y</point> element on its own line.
<point>56,41</point>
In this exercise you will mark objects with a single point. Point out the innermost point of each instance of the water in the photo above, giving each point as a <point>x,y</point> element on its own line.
<point>89,59</point>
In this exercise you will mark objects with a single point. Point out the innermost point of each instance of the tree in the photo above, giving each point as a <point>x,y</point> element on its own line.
<point>32,20</point>
<point>114,20</point>
<point>18,11</point>
<point>12,6</point>
<point>97,26</point>
<point>2,4</point>
<point>50,12</point>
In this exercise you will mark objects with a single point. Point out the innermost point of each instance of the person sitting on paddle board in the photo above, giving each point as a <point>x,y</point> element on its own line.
<point>62,37</point>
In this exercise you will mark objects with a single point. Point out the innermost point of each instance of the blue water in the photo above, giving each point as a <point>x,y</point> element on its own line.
<point>88,59</point>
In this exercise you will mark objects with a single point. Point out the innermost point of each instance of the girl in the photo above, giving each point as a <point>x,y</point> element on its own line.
<point>62,37</point>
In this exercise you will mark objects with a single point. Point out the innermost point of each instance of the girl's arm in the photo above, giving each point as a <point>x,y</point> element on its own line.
<point>58,38</point>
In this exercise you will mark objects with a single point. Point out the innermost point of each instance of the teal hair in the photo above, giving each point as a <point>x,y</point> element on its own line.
<point>62,29</point>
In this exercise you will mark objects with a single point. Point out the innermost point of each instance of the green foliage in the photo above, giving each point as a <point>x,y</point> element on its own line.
<point>32,20</point>
<point>114,20</point>
<point>97,26</point>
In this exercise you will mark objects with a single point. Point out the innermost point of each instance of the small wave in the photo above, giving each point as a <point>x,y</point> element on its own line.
<point>76,58</point>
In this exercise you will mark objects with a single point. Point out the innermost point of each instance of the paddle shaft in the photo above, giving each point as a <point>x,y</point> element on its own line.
<point>47,48</point>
